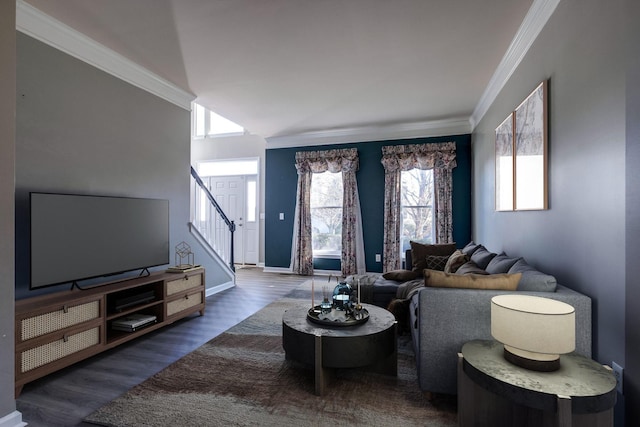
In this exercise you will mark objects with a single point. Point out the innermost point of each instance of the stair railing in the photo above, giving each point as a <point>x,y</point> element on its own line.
<point>211,221</point>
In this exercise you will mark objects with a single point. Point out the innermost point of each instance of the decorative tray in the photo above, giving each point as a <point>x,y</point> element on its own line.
<point>337,317</point>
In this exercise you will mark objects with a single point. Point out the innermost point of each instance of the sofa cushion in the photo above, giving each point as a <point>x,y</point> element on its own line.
<point>532,279</point>
<point>500,264</point>
<point>470,248</point>
<point>400,275</point>
<point>436,262</point>
<point>482,257</point>
<point>470,267</point>
<point>440,279</point>
<point>455,261</point>
<point>419,252</point>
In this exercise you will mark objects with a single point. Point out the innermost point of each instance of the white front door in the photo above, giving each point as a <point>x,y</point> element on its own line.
<point>232,194</point>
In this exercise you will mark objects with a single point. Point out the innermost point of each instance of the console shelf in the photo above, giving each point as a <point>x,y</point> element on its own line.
<point>136,309</point>
<point>57,330</point>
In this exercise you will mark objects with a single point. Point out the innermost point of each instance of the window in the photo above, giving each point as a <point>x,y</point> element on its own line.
<point>416,209</point>
<point>326,214</point>
<point>252,199</point>
<point>228,167</point>
<point>208,123</point>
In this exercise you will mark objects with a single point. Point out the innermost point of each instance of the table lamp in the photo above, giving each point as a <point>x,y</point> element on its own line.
<point>535,331</point>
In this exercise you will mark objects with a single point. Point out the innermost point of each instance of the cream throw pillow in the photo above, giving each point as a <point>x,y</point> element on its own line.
<point>455,261</point>
<point>440,279</point>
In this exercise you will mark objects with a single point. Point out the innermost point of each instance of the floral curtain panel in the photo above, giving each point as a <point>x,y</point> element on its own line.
<point>308,163</point>
<point>397,158</point>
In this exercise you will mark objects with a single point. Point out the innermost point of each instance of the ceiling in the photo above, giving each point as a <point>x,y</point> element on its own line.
<point>289,67</point>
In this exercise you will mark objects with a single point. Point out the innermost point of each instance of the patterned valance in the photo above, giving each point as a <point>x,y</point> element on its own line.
<point>420,156</point>
<point>344,160</point>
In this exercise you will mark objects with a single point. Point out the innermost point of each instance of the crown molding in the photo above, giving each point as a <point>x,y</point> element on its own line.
<point>46,29</point>
<point>372,133</point>
<point>534,21</point>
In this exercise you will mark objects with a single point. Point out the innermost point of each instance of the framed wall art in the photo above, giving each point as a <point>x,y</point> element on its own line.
<point>521,155</point>
<point>504,165</point>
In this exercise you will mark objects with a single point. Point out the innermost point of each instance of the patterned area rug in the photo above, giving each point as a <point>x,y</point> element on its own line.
<point>241,378</point>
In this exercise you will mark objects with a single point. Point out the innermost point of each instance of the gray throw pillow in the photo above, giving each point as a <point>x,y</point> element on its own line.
<point>500,264</point>
<point>482,257</point>
<point>532,279</point>
<point>470,268</point>
<point>470,248</point>
<point>520,266</point>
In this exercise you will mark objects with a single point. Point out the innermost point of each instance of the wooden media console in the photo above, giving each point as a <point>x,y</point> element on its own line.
<point>56,330</point>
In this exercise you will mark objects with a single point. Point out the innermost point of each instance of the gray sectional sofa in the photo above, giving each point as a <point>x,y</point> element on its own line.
<point>442,319</point>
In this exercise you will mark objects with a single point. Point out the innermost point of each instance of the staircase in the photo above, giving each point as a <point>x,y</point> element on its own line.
<point>209,224</point>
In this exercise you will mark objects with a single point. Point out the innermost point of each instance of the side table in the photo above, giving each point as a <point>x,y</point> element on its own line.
<point>371,345</point>
<point>494,392</point>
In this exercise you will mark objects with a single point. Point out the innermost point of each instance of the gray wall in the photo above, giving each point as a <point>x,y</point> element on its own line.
<point>581,238</point>
<point>632,368</point>
<point>80,130</point>
<point>7,164</point>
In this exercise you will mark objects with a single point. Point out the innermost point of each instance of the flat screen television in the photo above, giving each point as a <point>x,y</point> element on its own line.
<point>81,237</point>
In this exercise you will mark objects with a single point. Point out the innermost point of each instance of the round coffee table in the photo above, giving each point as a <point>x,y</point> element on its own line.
<point>372,345</point>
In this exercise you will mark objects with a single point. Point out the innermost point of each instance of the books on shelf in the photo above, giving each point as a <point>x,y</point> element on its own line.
<point>133,322</point>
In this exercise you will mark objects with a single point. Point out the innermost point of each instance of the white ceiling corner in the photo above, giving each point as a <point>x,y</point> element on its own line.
<point>46,29</point>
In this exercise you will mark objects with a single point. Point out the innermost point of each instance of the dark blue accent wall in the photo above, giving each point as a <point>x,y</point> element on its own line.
<point>280,197</point>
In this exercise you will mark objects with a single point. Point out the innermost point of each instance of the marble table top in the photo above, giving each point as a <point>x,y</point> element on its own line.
<point>591,387</point>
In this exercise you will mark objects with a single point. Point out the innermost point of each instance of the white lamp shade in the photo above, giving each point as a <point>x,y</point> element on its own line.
<point>533,327</point>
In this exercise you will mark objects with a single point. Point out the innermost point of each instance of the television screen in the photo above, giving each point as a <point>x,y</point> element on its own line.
<point>77,237</point>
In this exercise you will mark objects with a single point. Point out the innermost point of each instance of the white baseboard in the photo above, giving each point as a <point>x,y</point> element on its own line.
<point>215,289</point>
<point>13,419</point>
<point>286,270</point>
<point>334,273</point>
<point>281,270</point>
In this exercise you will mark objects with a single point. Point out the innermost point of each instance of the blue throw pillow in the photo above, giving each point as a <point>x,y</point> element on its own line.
<point>501,264</point>
<point>470,248</point>
<point>482,257</point>
<point>532,279</point>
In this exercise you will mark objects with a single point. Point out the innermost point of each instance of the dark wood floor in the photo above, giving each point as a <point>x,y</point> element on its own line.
<point>66,397</point>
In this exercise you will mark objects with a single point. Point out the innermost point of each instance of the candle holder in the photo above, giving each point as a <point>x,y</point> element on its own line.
<point>325,305</point>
